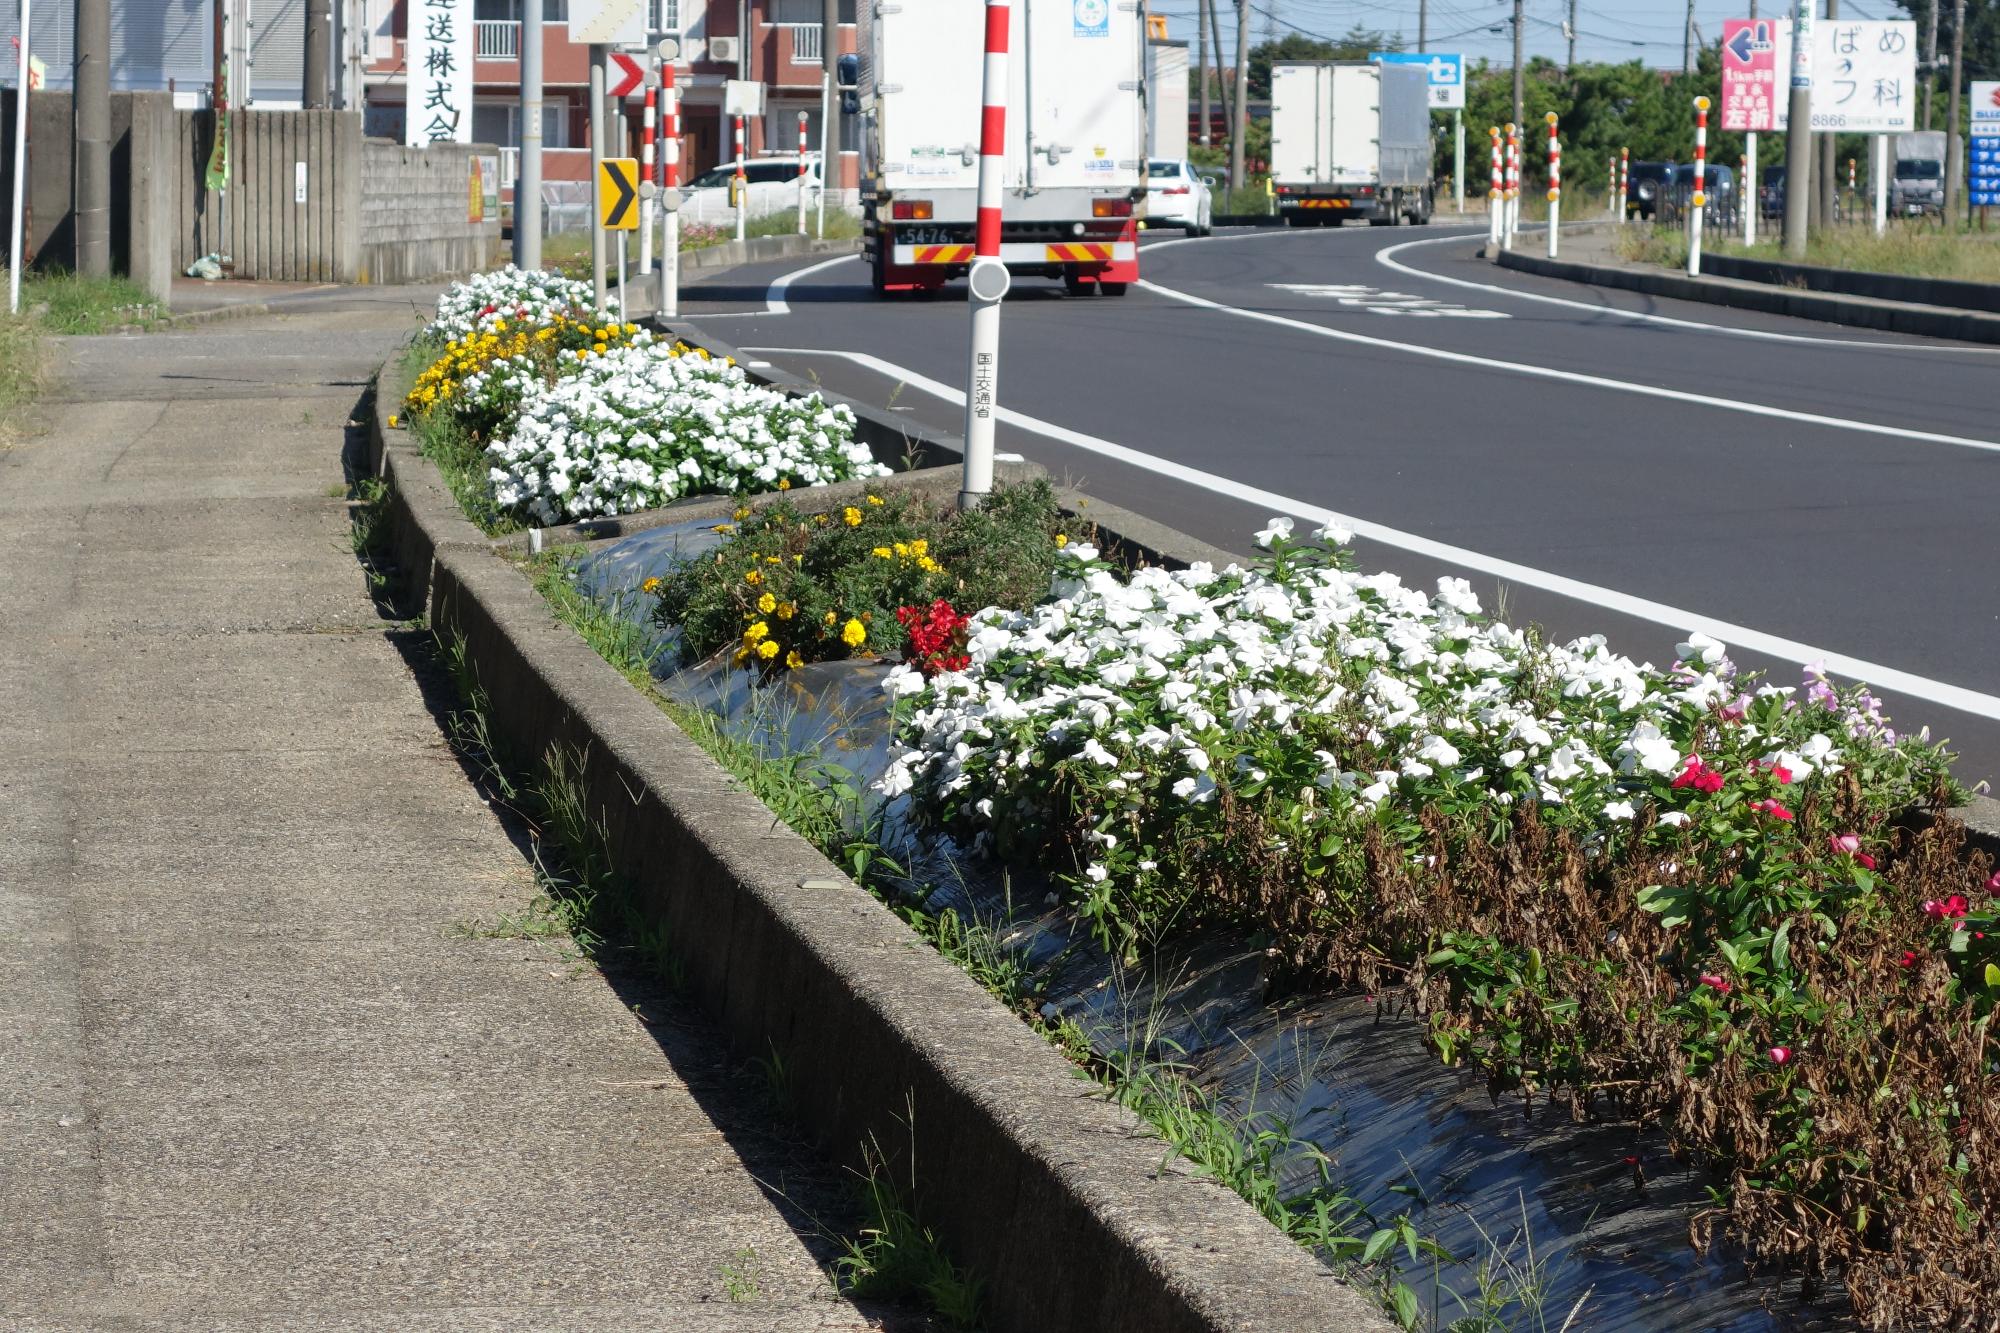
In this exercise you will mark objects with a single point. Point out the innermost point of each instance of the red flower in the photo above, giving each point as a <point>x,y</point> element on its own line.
<point>1721,985</point>
<point>1863,858</point>
<point>1781,773</point>
<point>937,637</point>
<point>1909,958</point>
<point>1781,1055</point>
<point>1951,909</point>
<point>1698,775</point>
<point>1773,809</point>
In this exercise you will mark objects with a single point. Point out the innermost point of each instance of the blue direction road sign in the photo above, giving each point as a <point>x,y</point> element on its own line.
<point>1983,168</point>
<point>1447,74</point>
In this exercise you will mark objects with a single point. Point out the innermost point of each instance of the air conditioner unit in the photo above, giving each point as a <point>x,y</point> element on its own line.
<point>722,50</point>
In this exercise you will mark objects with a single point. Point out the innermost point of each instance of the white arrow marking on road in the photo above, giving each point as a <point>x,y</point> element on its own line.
<point>1379,302</point>
<point>1938,692</point>
<point>1386,258</point>
<point>1577,377</point>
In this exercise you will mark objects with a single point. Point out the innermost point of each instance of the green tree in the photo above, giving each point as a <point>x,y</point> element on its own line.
<point>1355,45</point>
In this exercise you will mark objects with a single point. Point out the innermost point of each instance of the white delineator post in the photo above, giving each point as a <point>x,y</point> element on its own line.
<point>1624,183</point>
<point>988,278</point>
<point>1747,195</point>
<point>1496,195</point>
<point>1513,222</point>
<point>670,160</point>
<point>1611,186</point>
<point>1555,184</point>
<point>20,162</point>
<point>646,125</point>
<point>742,186</point>
<point>1700,197</point>
<point>802,173</point>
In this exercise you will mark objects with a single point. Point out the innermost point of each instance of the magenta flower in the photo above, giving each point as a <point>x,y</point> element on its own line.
<point>1781,1055</point>
<point>1719,984</point>
<point>1844,844</point>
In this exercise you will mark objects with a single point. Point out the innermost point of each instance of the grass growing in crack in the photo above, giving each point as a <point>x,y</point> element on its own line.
<point>741,1276</point>
<point>896,1258</point>
<point>369,530</point>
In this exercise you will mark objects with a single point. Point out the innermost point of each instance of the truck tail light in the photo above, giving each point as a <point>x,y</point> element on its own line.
<point>911,210</point>
<point>1284,189</point>
<point>1111,208</point>
<point>1367,189</point>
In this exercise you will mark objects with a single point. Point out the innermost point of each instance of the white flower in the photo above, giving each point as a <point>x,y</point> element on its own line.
<point>1333,534</point>
<point>1618,810</point>
<point>1674,818</point>
<point>1699,649</point>
<point>1438,751</point>
<point>1277,530</point>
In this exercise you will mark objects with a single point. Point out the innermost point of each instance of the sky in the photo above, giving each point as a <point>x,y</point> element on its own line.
<point>1614,30</point>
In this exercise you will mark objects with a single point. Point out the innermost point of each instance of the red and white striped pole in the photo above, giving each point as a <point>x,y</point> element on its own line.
<point>1496,193</point>
<point>670,165</point>
<point>1700,184</point>
<point>1513,223</point>
<point>988,278</point>
<point>802,173</point>
<point>1611,185</point>
<point>1555,183</point>
<point>646,126</point>
<point>1624,183</point>
<point>742,186</point>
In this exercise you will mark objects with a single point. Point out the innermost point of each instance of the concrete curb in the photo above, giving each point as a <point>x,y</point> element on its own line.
<point>216,314</point>
<point>1074,1216</point>
<point>1905,289</point>
<point>1855,311</point>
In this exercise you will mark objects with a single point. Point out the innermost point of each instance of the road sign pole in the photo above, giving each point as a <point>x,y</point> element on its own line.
<point>1699,200</point>
<point>20,165</point>
<point>597,132</point>
<point>989,280</point>
<point>646,125</point>
<point>670,152</point>
<point>829,170</point>
<point>802,173</point>
<point>1555,184</point>
<point>1458,156</point>
<point>1746,189</point>
<point>1878,178</point>
<point>742,186</point>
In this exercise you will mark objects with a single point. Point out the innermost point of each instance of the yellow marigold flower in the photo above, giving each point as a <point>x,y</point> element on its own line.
<point>819,519</point>
<point>928,565</point>
<point>768,649</point>
<point>786,610</point>
<point>830,617</point>
<point>651,585</point>
<point>798,560</point>
<point>851,516</point>
<point>499,326</point>
<point>725,527</point>
<point>772,560</point>
<point>742,656</point>
<point>753,578</point>
<point>902,550</point>
<point>755,632</point>
<point>920,547</point>
<point>392,421</point>
<point>767,603</point>
<point>784,483</point>
<point>631,328</point>
<point>601,334</point>
<point>1062,539</point>
<point>742,512</point>
<point>874,499</point>
<point>793,661</point>
<point>597,348</point>
<point>881,553</point>
<point>853,633</point>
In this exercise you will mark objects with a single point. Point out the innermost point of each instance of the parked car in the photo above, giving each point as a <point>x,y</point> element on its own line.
<point>1771,193</point>
<point>1642,186</point>
<point>1176,196</point>
<point>772,182</point>
<point>1718,187</point>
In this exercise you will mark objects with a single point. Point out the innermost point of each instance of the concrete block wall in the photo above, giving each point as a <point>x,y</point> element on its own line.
<point>51,240</point>
<point>261,222</point>
<point>416,214</point>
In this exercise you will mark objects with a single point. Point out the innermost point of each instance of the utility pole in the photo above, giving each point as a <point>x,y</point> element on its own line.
<point>319,38</point>
<point>1826,185</point>
<point>1954,149</point>
<point>528,181</point>
<point>1201,17</point>
<point>93,137</point>
<point>831,177</point>
<point>1423,25</point>
<point>1569,68</point>
<point>1687,48</point>
<point>1798,139</point>
<point>1215,44</point>
<point>1239,120</point>
<point>1930,58</point>
<point>1519,118</point>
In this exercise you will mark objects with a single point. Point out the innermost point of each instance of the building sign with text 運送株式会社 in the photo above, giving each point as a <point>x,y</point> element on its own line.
<point>439,72</point>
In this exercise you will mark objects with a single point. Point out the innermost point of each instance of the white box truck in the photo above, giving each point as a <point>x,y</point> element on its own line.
<point>1076,140</point>
<point>1350,139</point>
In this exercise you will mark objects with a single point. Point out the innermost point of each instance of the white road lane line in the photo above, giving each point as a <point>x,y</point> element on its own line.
<point>1578,377</point>
<point>1386,258</point>
<point>774,299</point>
<point>1674,618</point>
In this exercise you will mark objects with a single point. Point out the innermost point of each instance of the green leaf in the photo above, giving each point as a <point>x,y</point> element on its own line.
<point>1378,1245</point>
<point>1670,904</point>
<point>1406,1305</point>
<point>1781,945</point>
<point>1992,977</point>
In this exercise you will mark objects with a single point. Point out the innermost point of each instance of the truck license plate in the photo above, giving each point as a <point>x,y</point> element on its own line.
<point>924,236</point>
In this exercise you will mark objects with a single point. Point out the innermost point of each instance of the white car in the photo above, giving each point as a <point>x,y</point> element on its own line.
<point>1177,197</point>
<point>772,182</point>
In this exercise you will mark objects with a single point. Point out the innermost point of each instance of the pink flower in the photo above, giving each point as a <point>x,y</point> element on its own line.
<point>1773,809</point>
<point>1844,844</point>
<point>1781,773</point>
<point>1909,958</point>
<point>1993,884</point>
<point>1864,859</point>
<point>1951,909</point>
<point>1781,1055</point>
<point>1721,985</point>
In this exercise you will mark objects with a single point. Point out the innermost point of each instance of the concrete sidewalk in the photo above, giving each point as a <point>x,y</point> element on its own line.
<point>267,1062</point>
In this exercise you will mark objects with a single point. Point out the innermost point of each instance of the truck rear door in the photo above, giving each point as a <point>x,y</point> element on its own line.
<point>1357,124</point>
<point>1300,147</point>
<point>925,64</point>
<point>1081,88</point>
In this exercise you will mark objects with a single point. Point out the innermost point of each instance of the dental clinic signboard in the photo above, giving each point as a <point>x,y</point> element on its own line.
<point>1864,75</point>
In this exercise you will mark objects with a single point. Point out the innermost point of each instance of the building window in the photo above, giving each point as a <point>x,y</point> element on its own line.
<point>509,11</point>
<point>666,15</point>
<point>499,122</point>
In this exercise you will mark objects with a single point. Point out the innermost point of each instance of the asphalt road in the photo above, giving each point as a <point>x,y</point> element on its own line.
<point>1592,460</point>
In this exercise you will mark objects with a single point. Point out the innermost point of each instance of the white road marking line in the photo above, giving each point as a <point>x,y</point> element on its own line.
<point>1378,302</point>
<point>1386,258</point>
<point>1671,617</point>
<point>774,299</point>
<point>1577,377</point>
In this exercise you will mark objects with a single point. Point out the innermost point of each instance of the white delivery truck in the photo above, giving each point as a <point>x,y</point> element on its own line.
<point>1076,140</point>
<point>1350,139</point>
